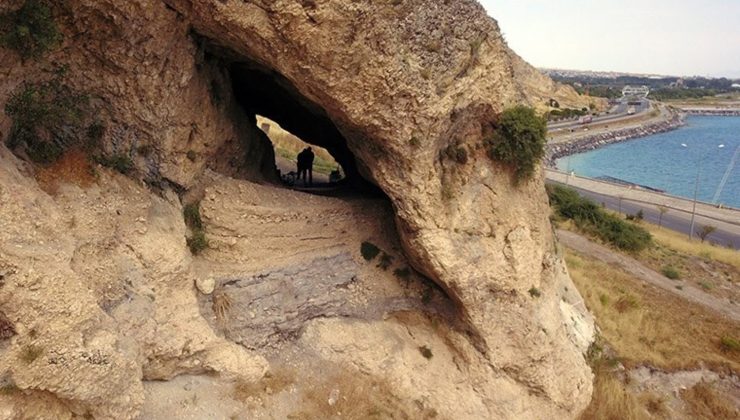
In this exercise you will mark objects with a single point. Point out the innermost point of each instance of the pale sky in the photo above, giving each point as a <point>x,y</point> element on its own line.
<point>671,37</point>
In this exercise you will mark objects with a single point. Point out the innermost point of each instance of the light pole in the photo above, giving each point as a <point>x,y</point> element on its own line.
<point>567,177</point>
<point>696,187</point>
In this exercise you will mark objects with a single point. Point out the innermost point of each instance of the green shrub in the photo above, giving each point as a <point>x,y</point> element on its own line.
<point>197,242</point>
<point>426,352</point>
<point>46,119</point>
<point>119,162</point>
<point>519,141</point>
<point>191,212</point>
<point>671,272</point>
<point>385,261</point>
<point>457,153</point>
<point>31,30</point>
<point>592,219</point>
<point>369,250</point>
<point>729,344</point>
<point>30,353</point>
<point>402,273</point>
<point>535,292</point>
<point>95,133</point>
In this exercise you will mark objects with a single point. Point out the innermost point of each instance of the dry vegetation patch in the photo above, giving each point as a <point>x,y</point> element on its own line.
<point>704,403</point>
<point>73,167</point>
<point>715,269</point>
<point>612,400</point>
<point>646,325</point>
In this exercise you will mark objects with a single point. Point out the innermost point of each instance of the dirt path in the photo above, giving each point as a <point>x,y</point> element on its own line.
<point>642,272</point>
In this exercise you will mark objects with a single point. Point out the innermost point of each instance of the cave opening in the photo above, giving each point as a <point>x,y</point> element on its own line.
<point>325,171</point>
<point>293,122</point>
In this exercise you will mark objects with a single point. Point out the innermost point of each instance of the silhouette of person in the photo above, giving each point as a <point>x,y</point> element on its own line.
<point>309,166</point>
<point>301,163</point>
<point>305,166</point>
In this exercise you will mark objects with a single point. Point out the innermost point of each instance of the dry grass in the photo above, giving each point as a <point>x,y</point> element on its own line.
<point>271,383</point>
<point>612,401</point>
<point>343,394</point>
<point>650,325</point>
<point>655,404</point>
<point>221,306</point>
<point>680,243</point>
<point>350,395</point>
<point>288,146</point>
<point>704,403</point>
<point>73,167</point>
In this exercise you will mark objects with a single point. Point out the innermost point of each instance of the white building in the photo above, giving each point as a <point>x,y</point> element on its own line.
<point>640,91</point>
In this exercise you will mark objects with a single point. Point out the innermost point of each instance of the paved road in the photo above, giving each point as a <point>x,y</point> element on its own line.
<point>677,220</point>
<point>618,113</point>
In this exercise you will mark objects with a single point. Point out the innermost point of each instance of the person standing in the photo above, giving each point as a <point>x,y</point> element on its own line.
<point>309,166</point>
<point>301,164</point>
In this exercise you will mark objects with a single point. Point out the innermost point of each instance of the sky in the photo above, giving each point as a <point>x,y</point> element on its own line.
<point>669,37</point>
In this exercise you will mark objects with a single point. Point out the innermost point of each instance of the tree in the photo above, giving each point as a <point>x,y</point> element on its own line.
<point>663,210</point>
<point>706,231</point>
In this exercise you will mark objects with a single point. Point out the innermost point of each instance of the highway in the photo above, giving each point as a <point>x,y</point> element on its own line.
<point>675,219</point>
<point>616,114</point>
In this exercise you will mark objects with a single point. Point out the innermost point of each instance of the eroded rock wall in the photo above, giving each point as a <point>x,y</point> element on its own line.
<point>401,81</point>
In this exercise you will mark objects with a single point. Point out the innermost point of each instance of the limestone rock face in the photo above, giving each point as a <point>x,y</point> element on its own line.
<point>103,278</point>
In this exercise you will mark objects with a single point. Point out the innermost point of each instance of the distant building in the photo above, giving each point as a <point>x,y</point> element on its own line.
<point>639,91</point>
<point>736,85</point>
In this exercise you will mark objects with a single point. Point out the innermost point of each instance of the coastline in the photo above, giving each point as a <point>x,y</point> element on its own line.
<point>596,141</point>
<point>713,112</point>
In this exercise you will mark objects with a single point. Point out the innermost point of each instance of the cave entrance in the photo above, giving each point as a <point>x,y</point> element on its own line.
<point>294,121</point>
<point>326,171</point>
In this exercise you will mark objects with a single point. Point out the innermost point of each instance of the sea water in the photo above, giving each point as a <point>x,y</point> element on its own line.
<point>672,161</point>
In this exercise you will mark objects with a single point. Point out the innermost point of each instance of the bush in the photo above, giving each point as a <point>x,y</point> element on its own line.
<point>457,153</point>
<point>426,352</point>
<point>118,162</point>
<point>369,250</point>
<point>671,272</point>
<point>385,261</point>
<point>535,292</point>
<point>198,242</point>
<point>519,141</point>
<point>191,212</point>
<point>46,119</point>
<point>31,30</point>
<point>592,219</point>
<point>30,353</point>
<point>402,273</point>
<point>729,344</point>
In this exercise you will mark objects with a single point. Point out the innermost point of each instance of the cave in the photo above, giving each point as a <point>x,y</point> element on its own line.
<point>262,92</point>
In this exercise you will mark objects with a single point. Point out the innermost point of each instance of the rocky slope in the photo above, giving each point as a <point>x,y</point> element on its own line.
<point>100,295</point>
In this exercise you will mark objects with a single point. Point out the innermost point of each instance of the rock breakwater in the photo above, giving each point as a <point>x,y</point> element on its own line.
<point>595,141</point>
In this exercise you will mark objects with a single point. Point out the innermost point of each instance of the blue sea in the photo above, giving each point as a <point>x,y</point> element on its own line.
<point>662,161</point>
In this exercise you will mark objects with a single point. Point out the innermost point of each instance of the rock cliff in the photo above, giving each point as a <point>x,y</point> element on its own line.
<point>468,313</point>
